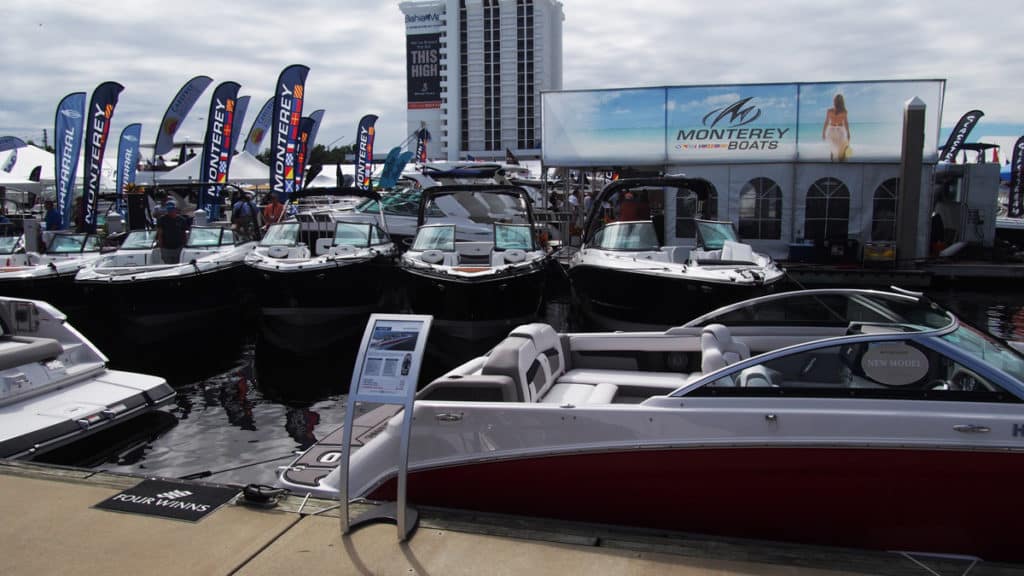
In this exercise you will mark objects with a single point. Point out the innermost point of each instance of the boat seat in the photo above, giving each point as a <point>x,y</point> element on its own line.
<point>547,342</point>
<point>592,377</point>
<point>718,349</point>
<point>578,394</point>
<point>518,358</point>
<point>323,246</point>
<point>511,256</point>
<point>27,350</point>
<point>737,251</point>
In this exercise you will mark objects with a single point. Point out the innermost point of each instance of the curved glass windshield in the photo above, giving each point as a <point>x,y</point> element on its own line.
<point>509,236</point>
<point>479,206</point>
<point>851,308</point>
<point>66,244</point>
<point>627,236</point>
<point>435,238</point>
<point>203,237</point>
<point>140,240</point>
<point>281,235</point>
<point>712,235</point>
<point>8,244</point>
<point>400,203</point>
<point>987,349</point>
<point>347,234</point>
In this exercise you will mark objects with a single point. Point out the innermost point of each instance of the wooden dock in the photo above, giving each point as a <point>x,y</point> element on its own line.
<point>51,527</point>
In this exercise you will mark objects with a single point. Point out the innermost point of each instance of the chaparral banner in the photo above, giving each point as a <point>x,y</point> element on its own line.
<point>217,147</point>
<point>1016,208</point>
<point>67,142</point>
<point>959,135</point>
<point>422,137</point>
<point>364,152</point>
<point>127,160</point>
<point>819,122</point>
<point>97,128</point>
<point>259,128</point>
<point>423,70</point>
<point>284,140</point>
<point>241,107</point>
<point>176,112</point>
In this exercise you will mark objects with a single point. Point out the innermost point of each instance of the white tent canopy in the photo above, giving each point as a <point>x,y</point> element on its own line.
<point>245,169</point>
<point>31,156</point>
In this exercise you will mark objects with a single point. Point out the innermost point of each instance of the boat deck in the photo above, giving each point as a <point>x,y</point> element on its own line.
<point>57,530</point>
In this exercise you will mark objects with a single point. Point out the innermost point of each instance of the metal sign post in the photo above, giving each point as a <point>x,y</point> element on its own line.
<point>386,372</point>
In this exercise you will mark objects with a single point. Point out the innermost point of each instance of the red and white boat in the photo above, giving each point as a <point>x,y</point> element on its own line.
<point>842,417</point>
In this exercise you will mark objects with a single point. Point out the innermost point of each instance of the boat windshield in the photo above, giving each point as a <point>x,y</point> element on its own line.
<point>399,203</point>
<point>512,236</point>
<point>712,235</point>
<point>348,234</point>
<point>987,349</point>
<point>205,237</point>
<point>8,244</point>
<point>281,235</point>
<point>626,236</point>
<point>479,207</point>
<point>435,238</point>
<point>71,243</point>
<point>831,307</point>
<point>139,240</point>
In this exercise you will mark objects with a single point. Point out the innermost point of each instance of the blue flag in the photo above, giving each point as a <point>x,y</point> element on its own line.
<point>67,140</point>
<point>97,128</point>
<point>259,128</point>
<point>177,110</point>
<point>284,136</point>
<point>217,148</point>
<point>364,157</point>
<point>241,107</point>
<point>127,159</point>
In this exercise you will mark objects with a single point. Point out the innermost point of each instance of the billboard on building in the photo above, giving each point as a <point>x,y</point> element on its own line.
<point>423,70</point>
<point>807,122</point>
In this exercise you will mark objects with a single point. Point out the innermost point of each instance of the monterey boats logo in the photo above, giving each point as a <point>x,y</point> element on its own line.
<point>735,112</point>
<point>725,128</point>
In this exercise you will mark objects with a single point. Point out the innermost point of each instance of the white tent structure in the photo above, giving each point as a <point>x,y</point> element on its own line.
<point>245,169</point>
<point>31,156</point>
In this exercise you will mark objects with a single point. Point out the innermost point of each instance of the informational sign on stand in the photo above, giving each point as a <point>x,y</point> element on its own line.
<point>386,372</point>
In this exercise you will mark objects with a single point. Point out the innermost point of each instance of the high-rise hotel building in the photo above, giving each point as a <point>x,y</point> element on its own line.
<point>475,71</point>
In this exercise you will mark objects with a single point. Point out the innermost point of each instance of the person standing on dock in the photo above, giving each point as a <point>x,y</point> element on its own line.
<point>170,234</point>
<point>243,216</point>
<point>273,212</point>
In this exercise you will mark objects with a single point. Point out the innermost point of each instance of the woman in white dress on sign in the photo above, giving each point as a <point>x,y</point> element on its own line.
<point>837,130</point>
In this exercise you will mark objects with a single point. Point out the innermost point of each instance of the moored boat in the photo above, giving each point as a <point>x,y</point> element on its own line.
<point>626,276</point>
<point>841,417</point>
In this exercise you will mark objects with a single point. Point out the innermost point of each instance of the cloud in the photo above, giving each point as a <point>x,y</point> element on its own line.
<point>356,52</point>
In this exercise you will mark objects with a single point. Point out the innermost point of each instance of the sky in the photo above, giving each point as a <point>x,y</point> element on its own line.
<point>356,53</point>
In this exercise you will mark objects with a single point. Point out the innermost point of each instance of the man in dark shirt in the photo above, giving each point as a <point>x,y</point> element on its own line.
<point>53,219</point>
<point>170,234</point>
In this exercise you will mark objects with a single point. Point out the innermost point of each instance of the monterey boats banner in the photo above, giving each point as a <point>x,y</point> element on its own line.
<point>284,137</point>
<point>67,140</point>
<point>305,127</point>
<point>309,132</point>
<point>959,135</point>
<point>364,151</point>
<point>241,107</point>
<point>422,137</point>
<point>217,148</point>
<point>176,112</point>
<point>97,128</point>
<point>127,160</point>
<point>259,128</point>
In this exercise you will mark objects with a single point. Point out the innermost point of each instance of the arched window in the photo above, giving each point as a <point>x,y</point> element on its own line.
<point>828,210</point>
<point>761,210</point>
<point>883,213</point>
<point>690,206</point>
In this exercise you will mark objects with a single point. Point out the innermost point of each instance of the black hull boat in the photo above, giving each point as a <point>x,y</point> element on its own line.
<point>625,276</point>
<point>624,300</point>
<point>309,305</point>
<point>476,268</point>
